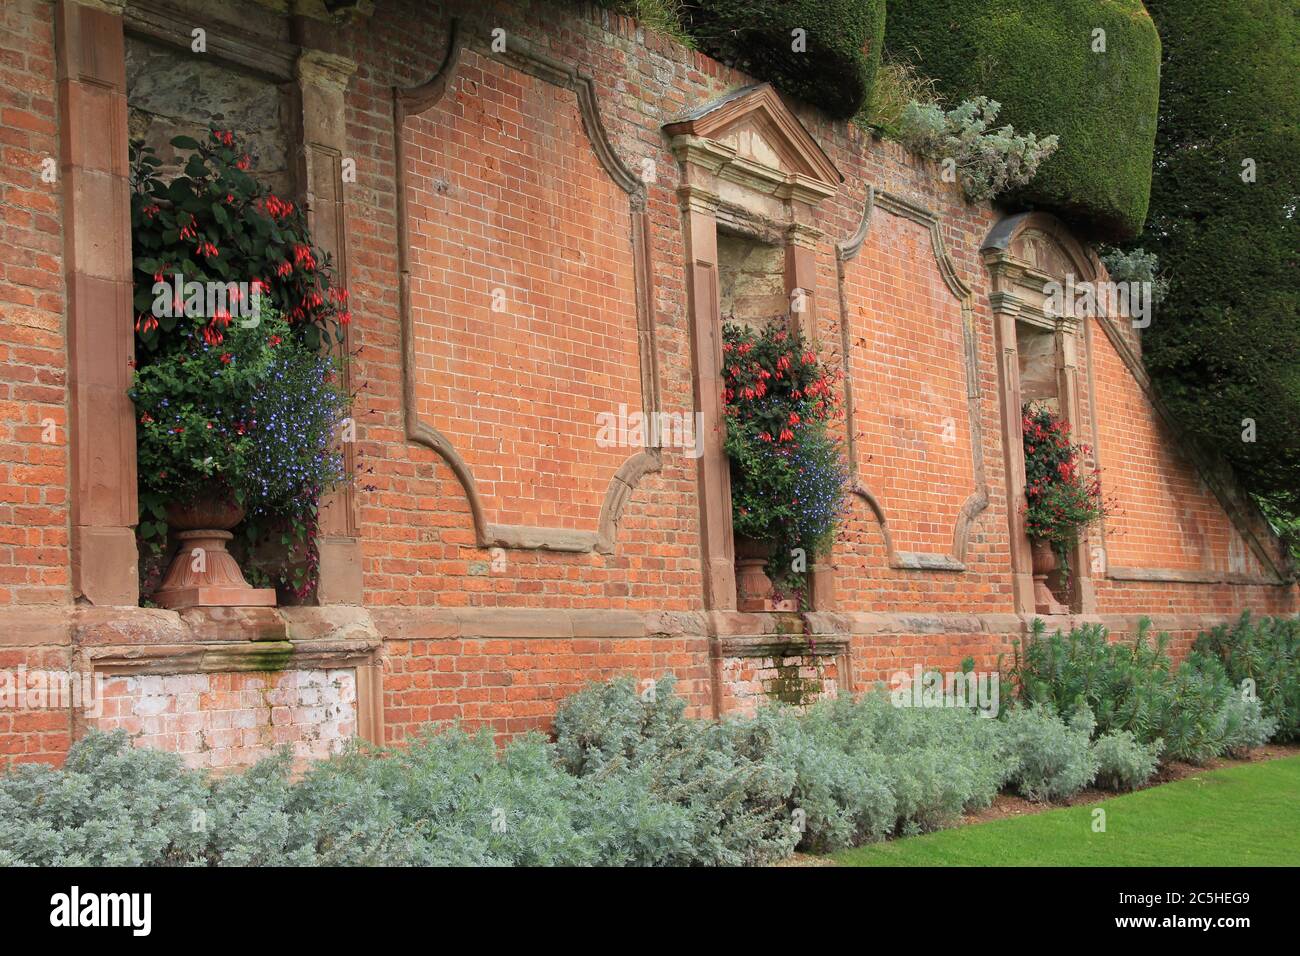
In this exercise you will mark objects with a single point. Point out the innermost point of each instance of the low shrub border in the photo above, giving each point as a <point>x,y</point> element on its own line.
<point>629,780</point>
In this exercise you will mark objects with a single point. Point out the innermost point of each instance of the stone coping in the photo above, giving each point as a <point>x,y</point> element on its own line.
<point>347,627</point>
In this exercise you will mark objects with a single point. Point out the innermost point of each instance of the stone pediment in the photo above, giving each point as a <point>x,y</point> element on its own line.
<point>752,136</point>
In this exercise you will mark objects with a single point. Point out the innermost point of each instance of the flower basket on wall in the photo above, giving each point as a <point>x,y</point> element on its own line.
<point>239,394</point>
<point>1061,501</point>
<point>789,481</point>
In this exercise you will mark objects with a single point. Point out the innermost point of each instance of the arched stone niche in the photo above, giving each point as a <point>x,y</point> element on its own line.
<point>1040,350</point>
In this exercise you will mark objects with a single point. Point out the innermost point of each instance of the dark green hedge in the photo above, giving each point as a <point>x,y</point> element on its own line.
<point>1035,57</point>
<point>843,41</point>
<point>1225,345</point>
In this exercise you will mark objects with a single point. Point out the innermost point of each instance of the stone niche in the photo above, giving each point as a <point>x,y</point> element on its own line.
<point>173,92</point>
<point>751,276</point>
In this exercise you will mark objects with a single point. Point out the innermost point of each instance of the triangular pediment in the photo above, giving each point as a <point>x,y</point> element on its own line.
<point>755,124</point>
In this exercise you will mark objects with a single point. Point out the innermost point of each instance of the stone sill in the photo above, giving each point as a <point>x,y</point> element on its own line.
<point>86,626</point>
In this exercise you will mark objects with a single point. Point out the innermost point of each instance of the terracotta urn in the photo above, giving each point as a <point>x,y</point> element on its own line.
<point>754,590</point>
<point>1044,563</point>
<point>204,573</point>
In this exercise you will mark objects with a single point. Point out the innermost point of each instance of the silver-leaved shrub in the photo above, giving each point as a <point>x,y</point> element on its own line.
<point>1052,759</point>
<point>986,160</point>
<point>1123,761</point>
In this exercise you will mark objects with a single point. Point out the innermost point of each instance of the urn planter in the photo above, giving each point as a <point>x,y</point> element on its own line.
<point>204,573</point>
<point>1044,563</point>
<point>754,590</point>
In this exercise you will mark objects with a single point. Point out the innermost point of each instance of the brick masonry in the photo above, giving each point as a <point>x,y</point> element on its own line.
<point>223,720</point>
<point>507,190</point>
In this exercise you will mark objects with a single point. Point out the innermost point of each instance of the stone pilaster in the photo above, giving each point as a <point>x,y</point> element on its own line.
<point>97,260</point>
<point>322,78</point>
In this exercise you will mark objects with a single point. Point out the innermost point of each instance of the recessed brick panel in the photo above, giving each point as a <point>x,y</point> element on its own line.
<point>1164,516</point>
<point>234,719</point>
<point>523,293</point>
<point>910,414</point>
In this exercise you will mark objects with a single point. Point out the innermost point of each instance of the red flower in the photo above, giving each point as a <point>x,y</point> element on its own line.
<point>225,358</point>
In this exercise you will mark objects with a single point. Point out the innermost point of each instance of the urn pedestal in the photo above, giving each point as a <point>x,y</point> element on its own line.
<point>754,590</point>
<point>204,573</point>
<point>1044,563</point>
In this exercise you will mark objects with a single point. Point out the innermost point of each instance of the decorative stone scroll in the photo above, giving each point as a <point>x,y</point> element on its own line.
<point>413,103</point>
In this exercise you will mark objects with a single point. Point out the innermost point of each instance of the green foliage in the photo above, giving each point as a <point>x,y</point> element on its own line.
<point>687,794</point>
<point>898,85</point>
<point>253,418</point>
<point>216,223</point>
<point>1123,762</point>
<point>1245,815</point>
<point>1206,715</point>
<point>1267,652</point>
<point>109,805</point>
<point>865,769</point>
<point>789,478</point>
<point>1037,60</point>
<point>662,16</point>
<point>836,66</point>
<point>1136,265</point>
<point>629,780</point>
<point>1051,759</point>
<point>1194,709</point>
<point>987,161</point>
<point>1226,345</point>
<point>1124,685</point>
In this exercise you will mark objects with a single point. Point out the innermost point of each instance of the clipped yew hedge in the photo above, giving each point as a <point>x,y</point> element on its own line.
<point>1036,58</point>
<point>1224,348</point>
<point>834,68</point>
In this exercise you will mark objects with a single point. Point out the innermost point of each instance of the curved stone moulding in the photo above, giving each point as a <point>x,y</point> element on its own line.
<point>417,100</point>
<point>978,500</point>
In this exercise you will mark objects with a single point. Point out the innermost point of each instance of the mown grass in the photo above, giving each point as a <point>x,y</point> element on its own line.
<point>1246,815</point>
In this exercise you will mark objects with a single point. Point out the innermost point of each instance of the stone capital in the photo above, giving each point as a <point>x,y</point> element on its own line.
<point>318,68</point>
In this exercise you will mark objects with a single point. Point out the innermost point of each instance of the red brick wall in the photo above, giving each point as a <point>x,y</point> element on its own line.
<point>912,431</point>
<point>523,293</point>
<point>509,193</point>
<point>1164,515</point>
<point>34,552</point>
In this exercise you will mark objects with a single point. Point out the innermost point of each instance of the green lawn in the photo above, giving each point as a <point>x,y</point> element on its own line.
<point>1240,816</point>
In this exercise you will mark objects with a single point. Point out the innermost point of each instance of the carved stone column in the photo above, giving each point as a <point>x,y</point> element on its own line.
<point>1024,254</point>
<point>322,77</point>
<point>97,261</point>
<point>1006,306</point>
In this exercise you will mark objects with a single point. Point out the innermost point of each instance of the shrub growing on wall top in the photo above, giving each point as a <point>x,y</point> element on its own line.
<point>1042,61</point>
<point>831,63</point>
